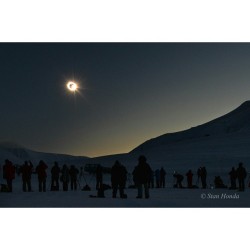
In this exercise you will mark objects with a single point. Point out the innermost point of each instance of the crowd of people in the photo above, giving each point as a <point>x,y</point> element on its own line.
<point>144,178</point>
<point>67,175</point>
<point>239,174</point>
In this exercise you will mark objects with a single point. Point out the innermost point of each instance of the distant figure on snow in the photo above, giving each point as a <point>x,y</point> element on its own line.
<point>99,177</point>
<point>241,174</point>
<point>26,172</point>
<point>203,175</point>
<point>233,178</point>
<point>55,173</point>
<point>42,176</point>
<point>65,177</point>
<point>141,175</point>
<point>162,178</point>
<point>198,176</point>
<point>73,172</point>
<point>118,179</point>
<point>9,173</point>
<point>189,175</point>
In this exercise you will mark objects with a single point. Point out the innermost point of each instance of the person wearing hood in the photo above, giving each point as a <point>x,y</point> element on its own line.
<point>142,173</point>
<point>9,173</point>
<point>42,176</point>
<point>118,179</point>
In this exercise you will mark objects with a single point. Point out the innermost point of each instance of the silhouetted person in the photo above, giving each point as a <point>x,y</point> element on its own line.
<point>218,183</point>
<point>162,178</point>
<point>141,175</point>
<point>118,179</point>
<point>73,172</point>
<point>203,175</point>
<point>42,176</point>
<point>55,173</point>
<point>65,177</point>
<point>99,177</point>
<point>157,178</point>
<point>233,178</point>
<point>198,176</point>
<point>241,174</point>
<point>179,178</point>
<point>9,173</point>
<point>26,172</point>
<point>189,175</point>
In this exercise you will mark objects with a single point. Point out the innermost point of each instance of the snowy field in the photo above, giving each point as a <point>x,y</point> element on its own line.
<point>162,197</point>
<point>167,197</point>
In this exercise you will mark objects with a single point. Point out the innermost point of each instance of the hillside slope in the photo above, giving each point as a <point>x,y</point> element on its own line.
<point>220,143</point>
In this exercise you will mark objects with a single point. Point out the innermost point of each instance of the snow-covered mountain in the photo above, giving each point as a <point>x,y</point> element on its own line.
<point>219,144</point>
<point>18,154</point>
<point>234,122</point>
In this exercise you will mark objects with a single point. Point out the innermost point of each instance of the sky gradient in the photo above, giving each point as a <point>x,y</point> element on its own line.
<point>130,92</point>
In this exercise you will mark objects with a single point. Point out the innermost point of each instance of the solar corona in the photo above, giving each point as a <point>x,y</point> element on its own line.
<point>72,86</point>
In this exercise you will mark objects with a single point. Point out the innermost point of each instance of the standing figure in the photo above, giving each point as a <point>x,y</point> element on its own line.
<point>233,178</point>
<point>9,173</point>
<point>203,175</point>
<point>26,171</point>
<point>73,172</point>
<point>42,176</point>
<point>198,176</point>
<point>118,179</point>
<point>141,175</point>
<point>55,172</point>
<point>99,176</point>
<point>189,175</point>
<point>241,174</point>
<point>65,177</point>
<point>162,178</point>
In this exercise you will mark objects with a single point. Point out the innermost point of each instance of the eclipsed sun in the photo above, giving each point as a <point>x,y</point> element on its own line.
<point>72,86</point>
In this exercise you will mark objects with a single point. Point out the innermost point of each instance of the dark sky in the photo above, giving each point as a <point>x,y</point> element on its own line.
<point>129,92</point>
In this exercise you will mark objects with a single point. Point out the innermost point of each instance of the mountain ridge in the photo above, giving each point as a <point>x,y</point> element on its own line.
<point>220,125</point>
<point>218,144</point>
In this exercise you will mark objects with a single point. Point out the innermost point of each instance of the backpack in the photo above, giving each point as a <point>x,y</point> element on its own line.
<point>86,188</point>
<point>4,188</point>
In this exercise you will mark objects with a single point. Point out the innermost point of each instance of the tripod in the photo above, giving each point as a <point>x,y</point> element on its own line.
<point>82,176</point>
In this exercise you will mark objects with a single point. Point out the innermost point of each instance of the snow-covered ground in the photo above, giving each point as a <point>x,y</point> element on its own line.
<point>167,197</point>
